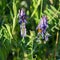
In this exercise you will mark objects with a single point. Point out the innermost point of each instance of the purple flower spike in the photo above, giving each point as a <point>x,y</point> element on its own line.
<point>42,26</point>
<point>22,22</point>
<point>22,16</point>
<point>23,29</point>
<point>21,12</point>
<point>47,35</point>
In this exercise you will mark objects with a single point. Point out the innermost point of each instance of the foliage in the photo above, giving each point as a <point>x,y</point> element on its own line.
<point>32,47</point>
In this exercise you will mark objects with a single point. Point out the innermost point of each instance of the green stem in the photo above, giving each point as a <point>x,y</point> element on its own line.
<point>41,8</point>
<point>56,44</point>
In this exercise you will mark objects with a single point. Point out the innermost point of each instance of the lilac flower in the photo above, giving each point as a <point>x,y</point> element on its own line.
<point>22,22</point>
<point>22,16</point>
<point>23,29</point>
<point>42,26</point>
<point>47,36</point>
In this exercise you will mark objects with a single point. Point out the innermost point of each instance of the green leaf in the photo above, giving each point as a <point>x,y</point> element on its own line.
<point>0,33</point>
<point>1,55</point>
<point>53,8</point>
<point>15,15</point>
<point>9,31</point>
<point>38,3</point>
<point>14,8</point>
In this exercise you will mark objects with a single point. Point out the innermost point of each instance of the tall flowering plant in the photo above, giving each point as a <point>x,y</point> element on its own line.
<point>42,27</point>
<point>22,22</point>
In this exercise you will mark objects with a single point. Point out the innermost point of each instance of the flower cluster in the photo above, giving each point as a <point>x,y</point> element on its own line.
<point>42,27</point>
<point>22,22</point>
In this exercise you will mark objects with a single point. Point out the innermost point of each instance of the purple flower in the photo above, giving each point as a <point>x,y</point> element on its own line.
<point>22,22</point>
<point>47,36</point>
<point>23,29</point>
<point>22,16</point>
<point>42,26</point>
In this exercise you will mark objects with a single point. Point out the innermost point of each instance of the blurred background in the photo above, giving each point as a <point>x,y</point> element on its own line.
<point>13,46</point>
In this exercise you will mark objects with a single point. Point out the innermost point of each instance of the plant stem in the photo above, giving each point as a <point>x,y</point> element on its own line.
<point>41,8</point>
<point>56,44</point>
